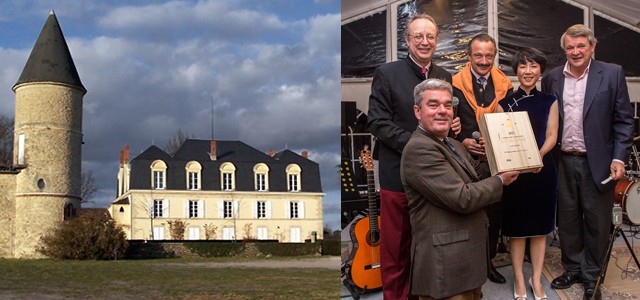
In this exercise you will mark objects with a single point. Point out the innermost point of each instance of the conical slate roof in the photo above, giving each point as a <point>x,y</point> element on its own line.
<point>50,59</point>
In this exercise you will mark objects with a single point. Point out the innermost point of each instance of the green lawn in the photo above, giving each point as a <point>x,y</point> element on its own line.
<point>161,279</point>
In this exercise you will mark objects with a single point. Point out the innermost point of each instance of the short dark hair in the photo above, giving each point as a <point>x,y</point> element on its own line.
<point>483,37</point>
<point>525,55</point>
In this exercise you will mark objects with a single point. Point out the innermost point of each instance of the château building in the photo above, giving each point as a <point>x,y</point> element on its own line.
<point>221,190</point>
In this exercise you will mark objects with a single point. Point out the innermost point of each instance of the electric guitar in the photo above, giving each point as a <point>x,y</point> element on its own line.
<point>365,235</point>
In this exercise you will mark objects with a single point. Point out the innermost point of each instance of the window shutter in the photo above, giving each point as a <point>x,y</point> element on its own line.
<point>268,209</point>
<point>165,208</point>
<point>301,210</point>
<point>186,208</point>
<point>221,210</point>
<point>235,209</point>
<point>287,210</point>
<point>200,208</point>
<point>254,209</point>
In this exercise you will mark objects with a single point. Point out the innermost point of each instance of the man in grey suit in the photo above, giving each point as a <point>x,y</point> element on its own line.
<point>446,197</point>
<point>595,135</point>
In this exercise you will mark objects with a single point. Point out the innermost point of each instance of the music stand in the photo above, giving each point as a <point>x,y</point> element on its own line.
<point>617,223</point>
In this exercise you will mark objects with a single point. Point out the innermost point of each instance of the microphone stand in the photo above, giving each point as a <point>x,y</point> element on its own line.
<point>617,223</point>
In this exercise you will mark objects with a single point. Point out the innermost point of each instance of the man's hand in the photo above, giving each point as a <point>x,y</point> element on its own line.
<point>617,170</point>
<point>509,177</point>
<point>474,148</point>
<point>456,126</point>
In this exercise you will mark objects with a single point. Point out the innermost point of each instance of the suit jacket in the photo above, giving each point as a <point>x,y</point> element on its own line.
<point>607,116</point>
<point>448,223</point>
<point>390,118</point>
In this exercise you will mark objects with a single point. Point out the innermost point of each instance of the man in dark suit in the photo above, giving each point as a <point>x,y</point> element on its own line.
<point>446,197</point>
<point>391,120</point>
<point>479,86</point>
<point>595,134</point>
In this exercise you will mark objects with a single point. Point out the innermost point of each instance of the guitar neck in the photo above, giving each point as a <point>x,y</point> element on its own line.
<point>373,208</point>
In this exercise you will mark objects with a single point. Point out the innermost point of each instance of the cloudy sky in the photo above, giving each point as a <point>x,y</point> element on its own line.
<point>270,69</point>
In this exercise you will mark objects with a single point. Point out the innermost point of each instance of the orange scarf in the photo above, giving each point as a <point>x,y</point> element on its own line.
<point>463,82</point>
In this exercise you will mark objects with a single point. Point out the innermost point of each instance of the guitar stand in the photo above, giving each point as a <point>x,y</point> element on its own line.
<point>353,290</point>
<point>603,268</point>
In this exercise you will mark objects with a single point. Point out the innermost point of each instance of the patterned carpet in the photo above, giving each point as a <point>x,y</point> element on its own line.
<point>622,280</point>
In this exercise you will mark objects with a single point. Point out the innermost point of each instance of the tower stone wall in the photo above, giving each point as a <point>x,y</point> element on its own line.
<point>49,116</point>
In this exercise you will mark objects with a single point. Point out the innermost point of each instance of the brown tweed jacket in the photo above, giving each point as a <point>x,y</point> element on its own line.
<point>449,225</point>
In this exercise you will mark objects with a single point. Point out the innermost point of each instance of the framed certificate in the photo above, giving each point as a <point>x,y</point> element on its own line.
<point>509,142</point>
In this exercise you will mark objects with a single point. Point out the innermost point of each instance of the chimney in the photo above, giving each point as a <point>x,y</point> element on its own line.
<point>305,154</point>
<point>271,152</point>
<point>124,155</point>
<point>214,150</point>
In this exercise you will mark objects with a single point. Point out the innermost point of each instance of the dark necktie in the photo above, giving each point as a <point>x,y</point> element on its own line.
<point>482,81</point>
<point>453,148</point>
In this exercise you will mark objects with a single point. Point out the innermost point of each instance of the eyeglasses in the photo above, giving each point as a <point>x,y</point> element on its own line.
<point>418,38</point>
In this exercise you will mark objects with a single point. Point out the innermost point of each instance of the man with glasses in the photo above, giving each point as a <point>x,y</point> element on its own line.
<point>595,134</point>
<point>391,120</point>
<point>479,86</point>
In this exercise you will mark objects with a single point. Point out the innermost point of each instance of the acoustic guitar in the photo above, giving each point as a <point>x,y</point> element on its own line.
<point>365,235</point>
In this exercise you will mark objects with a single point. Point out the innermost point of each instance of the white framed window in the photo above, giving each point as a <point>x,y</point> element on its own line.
<point>228,209</point>
<point>228,233</point>
<point>193,169</point>
<point>160,208</point>
<point>295,235</point>
<point>293,183</point>
<point>158,233</point>
<point>194,181</point>
<point>294,210</point>
<point>261,177</point>
<point>158,175</point>
<point>158,180</point>
<point>21,160</point>
<point>263,233</point>
<point>293,177</point>
<point>262,210</point>
<point>261,182</point>
<point>227,178</point>
<point>194,233</point>
<point>194,209</point>
<point>227,181</point>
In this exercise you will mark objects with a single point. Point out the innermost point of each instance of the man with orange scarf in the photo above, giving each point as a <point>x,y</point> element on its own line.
<point>480,86</point>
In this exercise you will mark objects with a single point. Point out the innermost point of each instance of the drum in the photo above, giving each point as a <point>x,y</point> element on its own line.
<point>627,195</point>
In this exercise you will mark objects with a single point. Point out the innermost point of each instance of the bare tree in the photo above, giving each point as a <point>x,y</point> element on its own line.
<point>6,141</point>
<point>87,186</point>
<point>148,208</point>
<point>175,142</point>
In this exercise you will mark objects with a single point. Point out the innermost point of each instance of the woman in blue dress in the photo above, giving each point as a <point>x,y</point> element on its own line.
<point>529,203</point>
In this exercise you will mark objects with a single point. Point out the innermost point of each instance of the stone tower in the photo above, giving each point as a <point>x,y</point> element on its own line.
<point>47,140</point>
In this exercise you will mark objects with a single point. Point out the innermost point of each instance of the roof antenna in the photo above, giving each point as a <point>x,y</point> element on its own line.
<point>212,113</point>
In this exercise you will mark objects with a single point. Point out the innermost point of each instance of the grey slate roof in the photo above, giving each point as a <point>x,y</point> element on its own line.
<point>50,59</point>
<point>243,157</point>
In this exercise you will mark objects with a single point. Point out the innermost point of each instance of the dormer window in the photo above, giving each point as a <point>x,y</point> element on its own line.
<point>193,170</point>
<point>293,178</point>
<point>227,176</point>
<point>158,175</point>
<point>261,177</point>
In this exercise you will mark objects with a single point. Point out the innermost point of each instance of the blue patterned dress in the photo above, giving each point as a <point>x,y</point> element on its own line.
<point>529,203</point>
